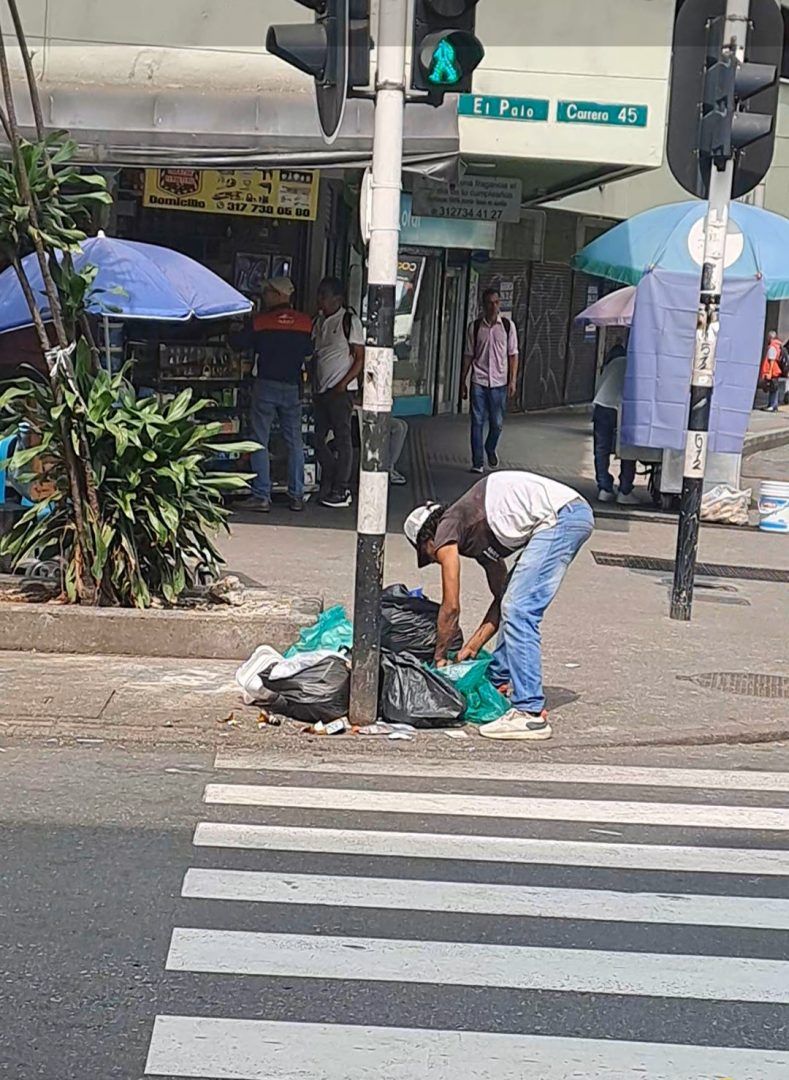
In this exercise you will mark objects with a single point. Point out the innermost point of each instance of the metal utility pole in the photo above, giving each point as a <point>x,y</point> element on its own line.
<point>378,357</point>
<point>716,167</point>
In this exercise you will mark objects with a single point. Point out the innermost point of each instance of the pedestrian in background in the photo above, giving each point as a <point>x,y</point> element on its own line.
<point>281,340</point>
<point>339,358</point>
<point>772,371</point>
<point>491,356</point>
<point>605,421</point>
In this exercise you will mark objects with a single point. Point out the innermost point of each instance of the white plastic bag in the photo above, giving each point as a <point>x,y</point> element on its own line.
<point>726,505</point>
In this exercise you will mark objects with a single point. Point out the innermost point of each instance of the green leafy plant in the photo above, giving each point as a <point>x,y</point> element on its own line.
<point>160,509</point>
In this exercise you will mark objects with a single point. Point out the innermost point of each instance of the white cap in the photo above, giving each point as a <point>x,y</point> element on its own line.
<point>415,521</point>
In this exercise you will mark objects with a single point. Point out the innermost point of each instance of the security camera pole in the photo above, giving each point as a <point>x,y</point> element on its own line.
<point>378,357</point>
<point>704,151</point>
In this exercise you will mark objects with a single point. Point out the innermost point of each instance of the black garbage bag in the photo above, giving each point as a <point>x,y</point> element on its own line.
<point>409,624</point>
<point>319,690</point>
<point>410,694</point>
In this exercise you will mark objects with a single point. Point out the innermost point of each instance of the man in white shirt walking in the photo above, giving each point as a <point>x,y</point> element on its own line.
<point>339,358</point>
<point>491,356</point>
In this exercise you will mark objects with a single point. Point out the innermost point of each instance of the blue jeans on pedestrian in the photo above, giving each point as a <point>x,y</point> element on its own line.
<point>604,421</point>
<point>774,394</point>
<point>488,405</point>
<point>533,583</point>
<point>279,400</point>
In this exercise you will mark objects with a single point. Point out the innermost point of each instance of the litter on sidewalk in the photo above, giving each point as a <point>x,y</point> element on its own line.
<point>311,682</point>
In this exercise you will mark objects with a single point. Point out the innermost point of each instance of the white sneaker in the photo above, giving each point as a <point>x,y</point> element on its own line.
<point>606,496</point>
<point>397,478</point>
<point>518,725</point>
<point>631,499</point>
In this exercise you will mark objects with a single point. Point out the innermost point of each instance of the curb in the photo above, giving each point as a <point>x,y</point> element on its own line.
<point>72,731</point>
<point>213,634</point>
<point>765,440</point>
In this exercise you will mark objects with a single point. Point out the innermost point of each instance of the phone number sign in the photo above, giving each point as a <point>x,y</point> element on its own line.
<point>277,194</point>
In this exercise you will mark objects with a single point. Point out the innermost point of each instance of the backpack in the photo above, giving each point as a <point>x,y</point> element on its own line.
<point>478,326</point>
<point>783,360</point>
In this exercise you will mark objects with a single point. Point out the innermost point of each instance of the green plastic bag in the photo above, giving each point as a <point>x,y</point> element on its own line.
<point>484,703</point>
<point>333,631</point>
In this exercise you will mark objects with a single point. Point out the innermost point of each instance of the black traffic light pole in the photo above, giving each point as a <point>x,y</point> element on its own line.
<point>707,329</point>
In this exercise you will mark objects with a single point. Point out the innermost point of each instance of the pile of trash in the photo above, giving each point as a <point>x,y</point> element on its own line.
<point>312,681</point>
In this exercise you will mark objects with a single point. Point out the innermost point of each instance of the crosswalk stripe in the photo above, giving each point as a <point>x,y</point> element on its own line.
<point>585,971</point>
<point>471,898</point>
<point>652,776</point>
<point>501,806</point>
<point>492,849</point>
<point>232,1049</point>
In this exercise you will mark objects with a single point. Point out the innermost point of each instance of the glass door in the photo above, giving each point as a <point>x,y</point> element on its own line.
<point>450,355</point>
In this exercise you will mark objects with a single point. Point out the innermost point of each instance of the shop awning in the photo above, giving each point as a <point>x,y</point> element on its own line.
<point>132,126</point>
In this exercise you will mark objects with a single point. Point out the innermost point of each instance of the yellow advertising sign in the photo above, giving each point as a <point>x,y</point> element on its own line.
<point>275,194</point>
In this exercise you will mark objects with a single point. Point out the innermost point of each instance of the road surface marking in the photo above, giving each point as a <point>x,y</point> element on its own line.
<point>224,1049</point>
<point>392,894</point>
<point>731,780</point>
<point>475,805</point>
<point>492,849</point>
<point>584,971</point>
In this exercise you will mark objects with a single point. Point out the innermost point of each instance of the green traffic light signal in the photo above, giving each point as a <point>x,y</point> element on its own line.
<point>445,68</point>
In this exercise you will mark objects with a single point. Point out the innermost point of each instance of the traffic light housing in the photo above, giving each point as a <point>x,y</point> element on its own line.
<point>445,49</point>
<point>722,108</point>
<point>334,50</point>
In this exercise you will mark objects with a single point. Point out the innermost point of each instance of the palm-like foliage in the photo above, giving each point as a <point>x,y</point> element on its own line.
<point>160,509</point>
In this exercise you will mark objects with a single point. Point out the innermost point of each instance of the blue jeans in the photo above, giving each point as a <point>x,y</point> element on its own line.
<point>488,405</point>
<point>604,422</point>
<point>281,400</point>
<point>774,394</point>
<point>533,583</point>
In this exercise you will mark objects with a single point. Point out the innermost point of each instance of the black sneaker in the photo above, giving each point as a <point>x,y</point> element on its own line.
<point>296,505</point>
<point>258,505</point>
<point>337,500</point>
<point>493,460</point>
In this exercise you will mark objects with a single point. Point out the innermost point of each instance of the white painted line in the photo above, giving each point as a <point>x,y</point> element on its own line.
<point>189,1046</point>
<point>401,802</point>
<point>492,849</point>
<point>583,971</point>
<point>726,780</point>
<point>392,894</point>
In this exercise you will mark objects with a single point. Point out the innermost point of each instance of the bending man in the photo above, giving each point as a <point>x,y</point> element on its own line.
<point>545,524</point>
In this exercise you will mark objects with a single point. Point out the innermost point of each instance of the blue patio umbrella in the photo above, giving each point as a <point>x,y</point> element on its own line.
<point>671,237</point>
<point>134,281</point>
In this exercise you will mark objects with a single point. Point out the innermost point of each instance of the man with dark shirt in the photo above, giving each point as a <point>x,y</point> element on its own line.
<point>281,339</point>
<point>509,513</point>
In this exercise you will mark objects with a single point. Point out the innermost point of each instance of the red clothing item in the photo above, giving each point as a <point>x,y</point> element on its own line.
<point>771,364</point>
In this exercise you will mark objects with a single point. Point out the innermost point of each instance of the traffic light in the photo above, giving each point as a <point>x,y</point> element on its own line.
<point>445,49</point>
<point>335,50</point>
<point>722,108</point>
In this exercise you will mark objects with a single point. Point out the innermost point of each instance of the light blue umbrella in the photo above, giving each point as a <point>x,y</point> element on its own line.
<point>134,281</point>
<point>671,237</point>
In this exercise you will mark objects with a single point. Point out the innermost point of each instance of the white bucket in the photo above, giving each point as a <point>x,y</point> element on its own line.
<point>774,506</point>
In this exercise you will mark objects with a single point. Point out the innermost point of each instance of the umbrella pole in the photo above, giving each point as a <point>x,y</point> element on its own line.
<point>107,345</point>
<point>707,329</point>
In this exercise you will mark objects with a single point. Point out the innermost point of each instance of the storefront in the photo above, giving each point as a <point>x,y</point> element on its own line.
<point>431,314</point>
<point>246,226</point>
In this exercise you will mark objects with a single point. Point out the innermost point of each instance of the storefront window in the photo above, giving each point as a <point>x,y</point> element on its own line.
<point>416,328</point>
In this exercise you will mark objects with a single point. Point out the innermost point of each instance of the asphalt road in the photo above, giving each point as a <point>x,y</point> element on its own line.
<point>340,926</point>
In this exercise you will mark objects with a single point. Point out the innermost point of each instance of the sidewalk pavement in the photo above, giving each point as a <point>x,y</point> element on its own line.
<point>618,671</point>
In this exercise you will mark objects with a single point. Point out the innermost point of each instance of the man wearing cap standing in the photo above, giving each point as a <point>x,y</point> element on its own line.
<point>541,522</point>
<point>281,339</point>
